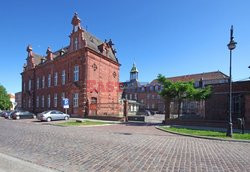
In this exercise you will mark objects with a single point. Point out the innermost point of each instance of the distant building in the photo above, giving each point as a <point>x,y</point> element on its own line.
<point>12,99</point>
<point>18,100</point>
<point>86,72</point>
<point>147,97</point>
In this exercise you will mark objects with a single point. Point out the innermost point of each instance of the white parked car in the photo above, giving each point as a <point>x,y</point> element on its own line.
<point>52,115</point>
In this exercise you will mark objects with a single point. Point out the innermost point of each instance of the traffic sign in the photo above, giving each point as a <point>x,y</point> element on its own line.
<point>65,103</point>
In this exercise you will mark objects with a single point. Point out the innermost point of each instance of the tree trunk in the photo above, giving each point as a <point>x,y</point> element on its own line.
<point>179,108</point>
<point>167,109</point>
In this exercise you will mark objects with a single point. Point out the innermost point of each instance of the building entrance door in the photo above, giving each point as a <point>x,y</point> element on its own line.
<point>93,106</point>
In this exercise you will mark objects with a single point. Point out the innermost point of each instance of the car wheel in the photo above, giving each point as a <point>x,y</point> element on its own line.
<point>48,119</point>
<point>66,118</point>
<point>17,117</point>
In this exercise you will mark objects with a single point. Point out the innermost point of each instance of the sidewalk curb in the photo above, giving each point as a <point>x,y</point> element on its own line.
<point>203,137</point>
<point>10,163</point>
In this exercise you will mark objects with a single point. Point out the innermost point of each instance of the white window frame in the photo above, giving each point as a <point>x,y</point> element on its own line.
<point>48,102</point>
<point>55,100</point>
<point>24,86</point>
<point>63,77</point>
<point>37,83</point>
<point>55,79</point>
<point>43,82</point>
<point>76,73</point>
<point>29,84</point>
<point>37,101</point>
<point>42,101</point>
<point>49,80</point>
<point>29,103</point>
<point>75,100</point>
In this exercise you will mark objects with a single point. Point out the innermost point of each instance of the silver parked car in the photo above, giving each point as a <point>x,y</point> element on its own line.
<point>52,115</point>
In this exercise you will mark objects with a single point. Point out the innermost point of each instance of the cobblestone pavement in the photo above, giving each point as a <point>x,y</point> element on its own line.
<point>118,147</point>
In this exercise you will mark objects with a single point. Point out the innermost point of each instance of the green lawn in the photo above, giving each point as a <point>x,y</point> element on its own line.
<point>85,122</point>
<point>208,133</point>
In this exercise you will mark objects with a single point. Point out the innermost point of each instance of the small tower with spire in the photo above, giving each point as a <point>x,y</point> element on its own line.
<point>77,36</point>
<point>30,58</point>
<point>134,73</point>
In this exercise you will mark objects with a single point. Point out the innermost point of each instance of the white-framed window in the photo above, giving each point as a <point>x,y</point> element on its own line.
<point>130,96</point>
<point>142,88</point>
<point>135,96</point>
<point>75,100</point>
<point>48,101</point>
<point>55,100</point>
<point>76,73</point>
<point>142,101</point>
<point>126,96</point>
<point>153,106</point>
<point>29,103</point>
<point>37,83</point>
<point>62,96</point>
<point>43,82</point>
<point>29,84</point>
<point>63,77</point>
<point>153,96</point>
<point>55,79</point>
<point>37,101</point>
<point>76,43</point>
<point>49,80</point>
<point>42,101</point>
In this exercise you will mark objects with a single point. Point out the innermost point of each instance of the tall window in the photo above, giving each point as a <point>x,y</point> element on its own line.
<point>43,101</point>
<point>37,101</point>
<point>43,82</point>
<point>130,97</point>
<point>48,101</point>
<point>76,73</point>
<point>49,80</point>
<point>37,83</point>
<point>63,77</point>
<point>55,79</point>
<point>76,44</point>
<point>153,96</point>
<point>75,100</point>
<point>135,96</point>
<point>55,100</point>
<point>29,101</point>
<point>29,84</point>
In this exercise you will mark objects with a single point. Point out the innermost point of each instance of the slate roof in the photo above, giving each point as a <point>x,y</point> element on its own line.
<point>196,77</point>
<point>92,43</point>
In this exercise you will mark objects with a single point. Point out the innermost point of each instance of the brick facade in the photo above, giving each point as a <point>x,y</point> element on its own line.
<point>86,72</point>
<point>217,106</point>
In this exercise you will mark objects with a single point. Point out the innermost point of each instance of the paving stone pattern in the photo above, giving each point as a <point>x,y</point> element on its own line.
<point>119,147</point>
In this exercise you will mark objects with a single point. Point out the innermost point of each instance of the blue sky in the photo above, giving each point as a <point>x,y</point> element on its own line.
<point>172,37</point>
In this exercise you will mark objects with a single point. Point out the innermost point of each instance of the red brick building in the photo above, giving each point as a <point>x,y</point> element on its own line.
<point>146,94</point>
<point>217,106</point>
<point>86,72</point>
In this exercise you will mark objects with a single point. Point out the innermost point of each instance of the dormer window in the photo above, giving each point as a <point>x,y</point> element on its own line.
<point>75,44</point>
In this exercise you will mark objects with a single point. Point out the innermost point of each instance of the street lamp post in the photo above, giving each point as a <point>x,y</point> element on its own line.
<point>231,46</point>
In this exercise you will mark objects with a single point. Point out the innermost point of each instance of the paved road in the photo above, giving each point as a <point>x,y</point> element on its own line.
<point>118,148</point>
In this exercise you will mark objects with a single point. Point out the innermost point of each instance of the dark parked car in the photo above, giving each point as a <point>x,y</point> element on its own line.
<point>7,114</point>
<point>22,115</point>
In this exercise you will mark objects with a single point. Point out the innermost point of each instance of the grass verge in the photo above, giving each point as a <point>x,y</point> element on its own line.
<point>207,133</point>
<point>85,122</point>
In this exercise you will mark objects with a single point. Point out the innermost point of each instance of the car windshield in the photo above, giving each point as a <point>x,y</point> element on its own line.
<point>45,112</point>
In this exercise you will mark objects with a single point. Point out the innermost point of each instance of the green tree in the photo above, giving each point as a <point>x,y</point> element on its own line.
<point>5,102</point>
<point>180,91</point>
